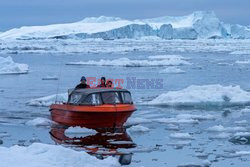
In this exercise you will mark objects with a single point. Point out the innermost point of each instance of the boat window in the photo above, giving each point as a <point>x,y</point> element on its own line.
<point>75,98</point>
<point>126,98</point>
<point>111,98</point>
<point>93,99</point>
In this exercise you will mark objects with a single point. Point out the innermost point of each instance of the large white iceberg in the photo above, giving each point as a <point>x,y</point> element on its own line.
<point>204,95</point>
<point>38,155</point>
<point>8,66</point>
<point>126,62</point>
<point>200,24</point>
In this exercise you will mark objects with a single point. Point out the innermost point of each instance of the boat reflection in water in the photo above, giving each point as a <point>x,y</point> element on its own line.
<point>101,145</point>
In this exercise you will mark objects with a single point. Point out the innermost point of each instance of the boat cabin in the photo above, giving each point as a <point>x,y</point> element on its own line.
<point>99,96</point>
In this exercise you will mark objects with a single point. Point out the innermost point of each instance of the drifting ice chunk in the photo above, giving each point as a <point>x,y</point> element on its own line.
<point>132,63</point>
<point>8,66</point>
<point>138,129</point>
<point>39,122</point>
<point>38,154</point>
<point>48,100</point>
<point>172,70</point>
<point>215,95</point>
<point>181,136</point>
<point>79,132</point>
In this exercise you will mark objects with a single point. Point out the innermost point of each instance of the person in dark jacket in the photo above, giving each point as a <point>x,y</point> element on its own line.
<point>83,84</point>
<point>103,83</point>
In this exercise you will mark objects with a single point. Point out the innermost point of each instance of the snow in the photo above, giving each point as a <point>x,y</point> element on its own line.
<point>126,62</point>
<point>181,136</point>
<point>204,95</point>
<point>39,122</point>
<point>8,66</point>
<point>79,132</point>
<point>37,155</point>
<point>48,100</point>
<point>138,129</point>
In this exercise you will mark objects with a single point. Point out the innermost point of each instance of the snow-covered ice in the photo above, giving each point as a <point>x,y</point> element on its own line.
<point>220,128</point>
<point>126,62</point>
<point>8,66</point>
<point>203,95</point>
<point>48,100</point>
<point>79,132</point>
<point>37,155</point>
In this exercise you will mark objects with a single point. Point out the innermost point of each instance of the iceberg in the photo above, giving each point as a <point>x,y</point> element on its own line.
<point>38,154</point>
<point>205,95</point>
<point>198,25</point>
<point>126,62</point>
<point>8,66</point>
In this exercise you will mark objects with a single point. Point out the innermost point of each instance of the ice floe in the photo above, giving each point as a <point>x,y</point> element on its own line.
<point>172,70</point>
<point>243,62</point>
<point>138,129</point>
<point>39,122</point>
<point>181,136</point>
<point>8,66</point>
<point>196,117</point>
<point>48,100</point>
<point>137,120</point>
<point>220,128</point>
<point>37,155</point>
<point>126,62</point>
<point>206,95</point>
<point>50,78</point>
<point>176,121</point>
<point>79,132</point>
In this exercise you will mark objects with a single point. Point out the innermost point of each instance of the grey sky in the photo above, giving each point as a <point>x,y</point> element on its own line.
<point>16,13</point>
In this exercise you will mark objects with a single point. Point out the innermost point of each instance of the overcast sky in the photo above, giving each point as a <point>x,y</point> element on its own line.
<point>16,13</point>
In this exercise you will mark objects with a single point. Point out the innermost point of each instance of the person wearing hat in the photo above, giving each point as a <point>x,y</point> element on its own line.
<point>83,84</point>
<point>103,83</point>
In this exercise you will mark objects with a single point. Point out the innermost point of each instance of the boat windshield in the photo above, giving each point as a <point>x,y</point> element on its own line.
<point>75,98</point>
<point>93,99</point>
<point>111,98</point>
<point>126,98</point>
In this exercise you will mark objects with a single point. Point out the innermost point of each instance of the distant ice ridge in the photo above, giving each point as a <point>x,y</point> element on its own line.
<point>126,62</point>
<point>48,100</point>
<point>38,154</point>
<point>8,66</point>
<point>199,24</point>
<point>205,95</point>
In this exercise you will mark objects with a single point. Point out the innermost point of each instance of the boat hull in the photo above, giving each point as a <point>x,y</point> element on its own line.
<point>105,116</point>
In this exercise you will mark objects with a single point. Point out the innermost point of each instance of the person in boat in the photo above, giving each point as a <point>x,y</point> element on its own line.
<point>109,84</point>
<point>103,83</point>
<point>83,84</point>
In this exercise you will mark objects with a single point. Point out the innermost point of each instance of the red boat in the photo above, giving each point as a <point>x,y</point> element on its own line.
<point>94,108</point>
